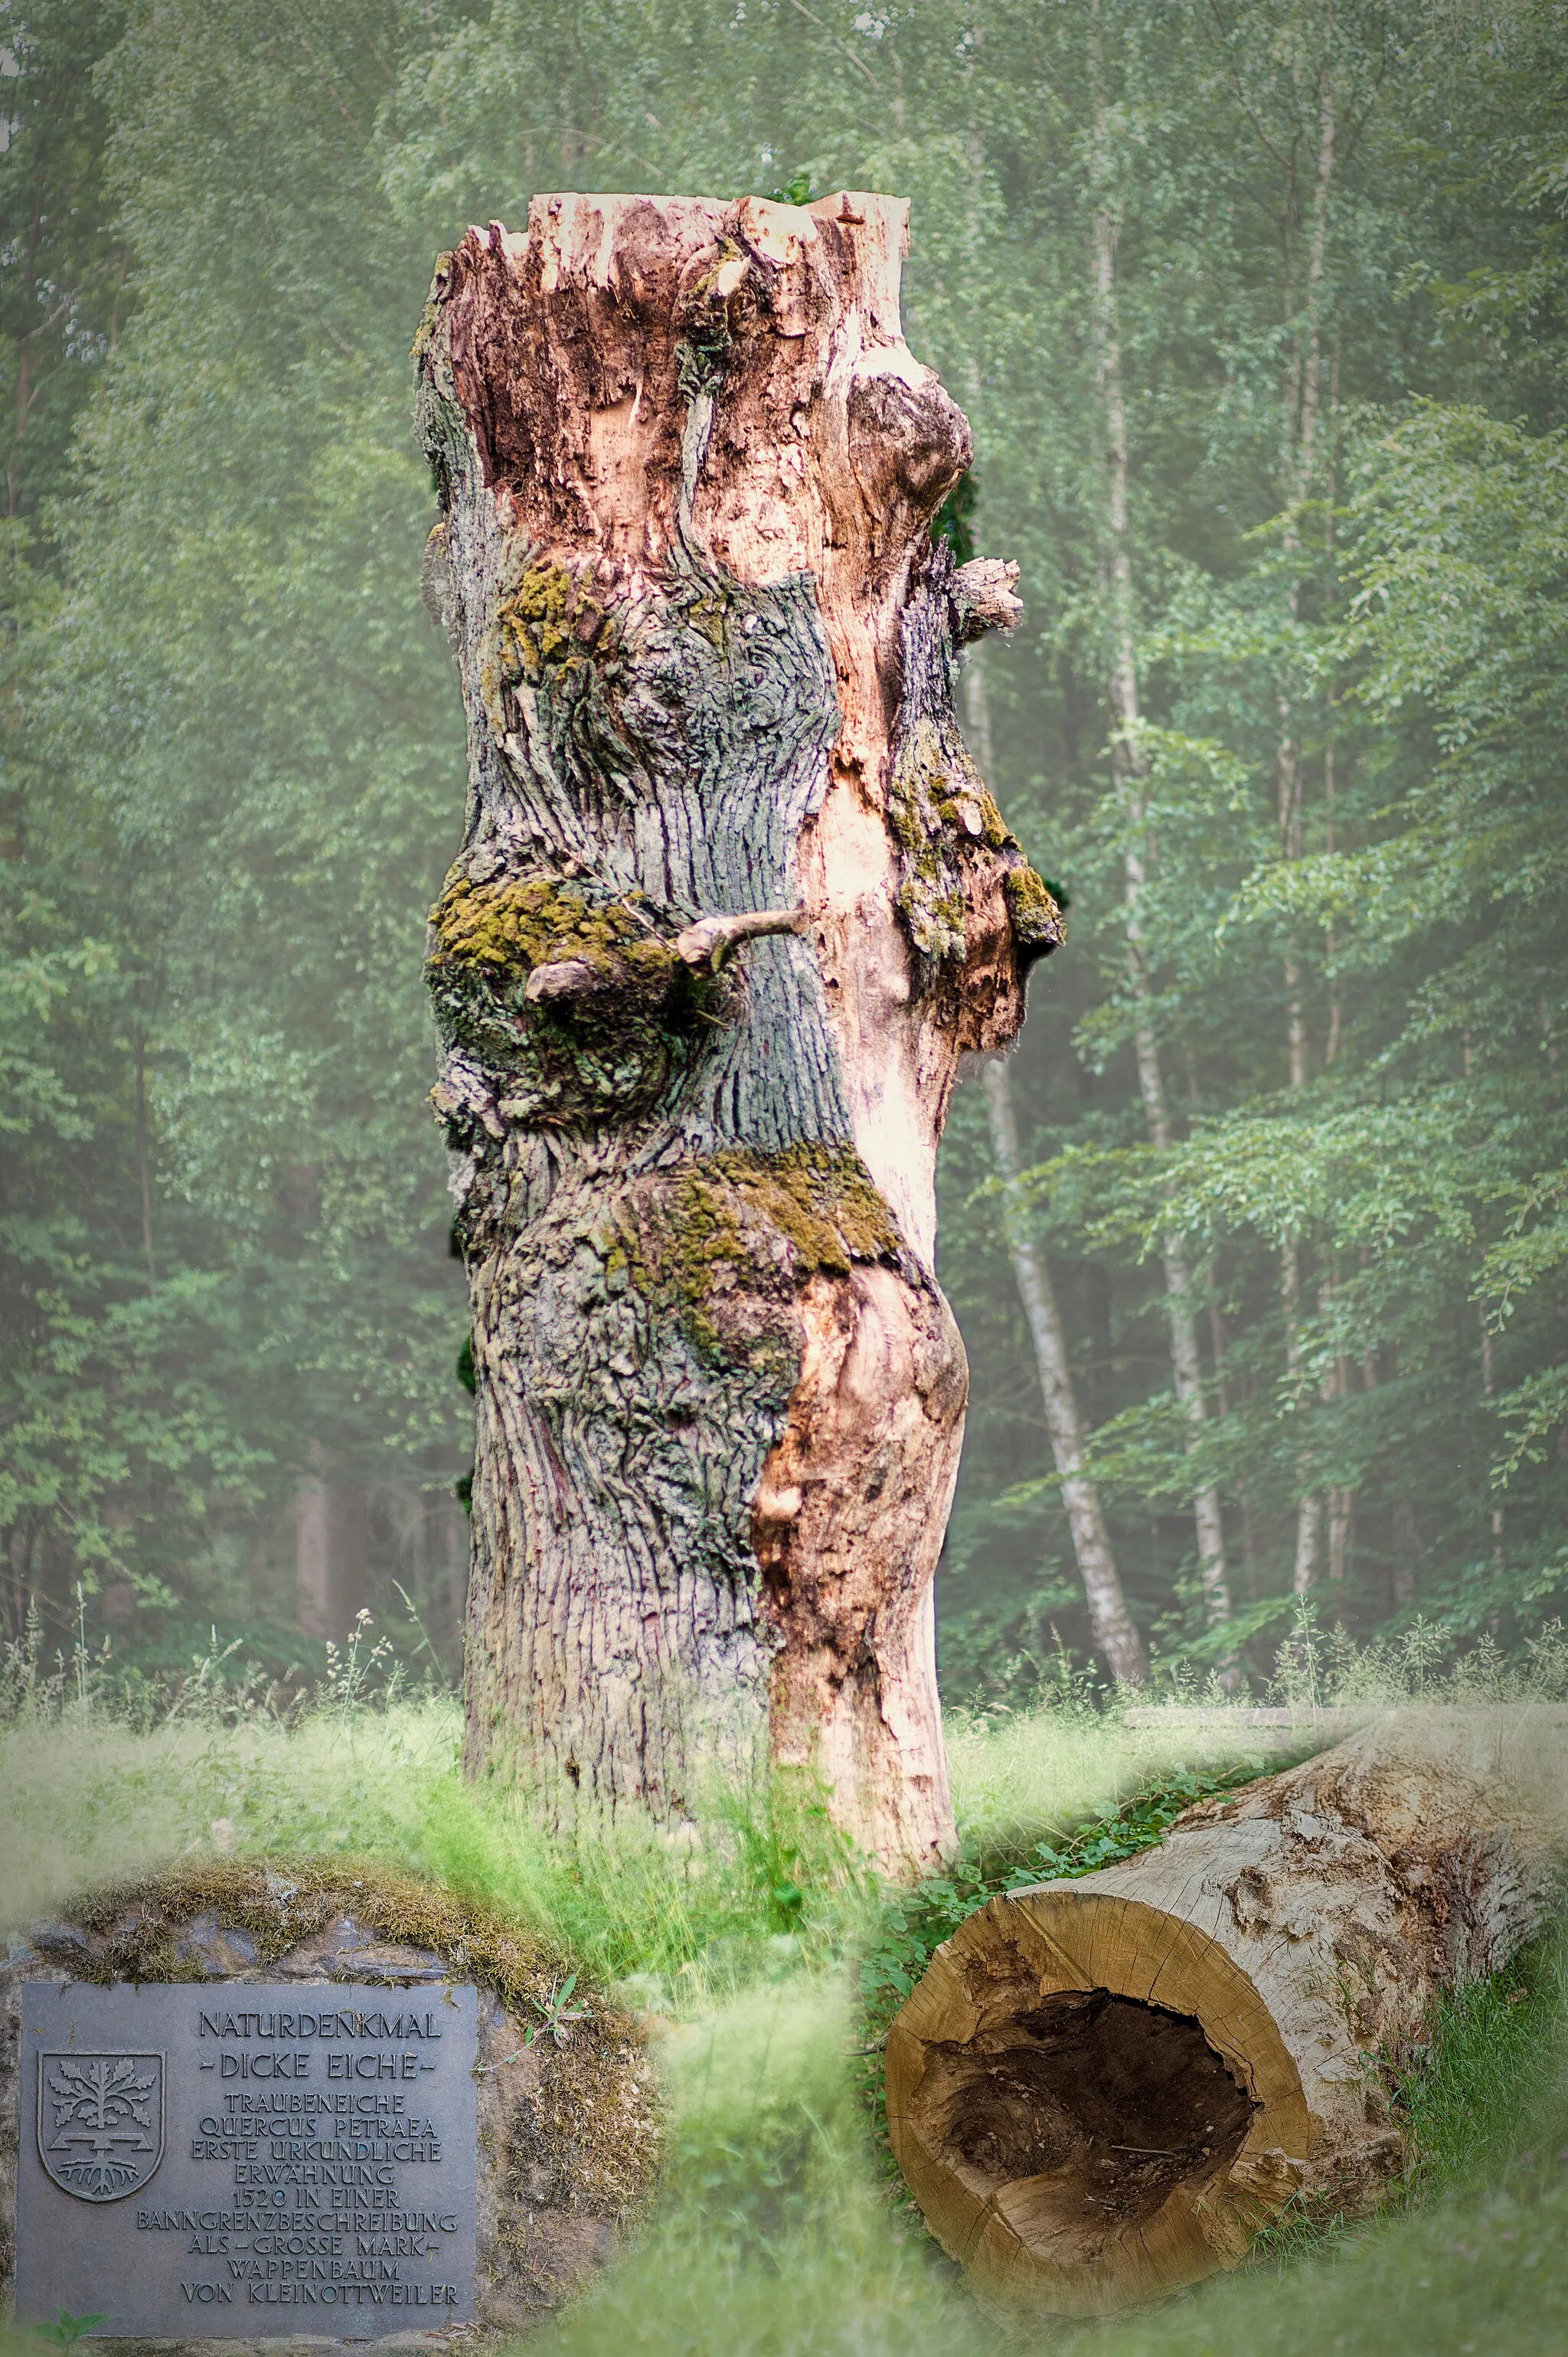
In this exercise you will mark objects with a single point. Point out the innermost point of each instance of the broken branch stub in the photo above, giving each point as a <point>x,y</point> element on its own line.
<point>1102,2089</point>
<point>732,902</point>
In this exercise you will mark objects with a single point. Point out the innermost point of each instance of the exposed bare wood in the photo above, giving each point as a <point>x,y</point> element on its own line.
<point>732,902</point>
<point>1102,2089</point>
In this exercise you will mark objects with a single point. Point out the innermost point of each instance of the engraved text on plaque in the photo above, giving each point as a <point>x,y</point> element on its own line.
<point>235,2159</point>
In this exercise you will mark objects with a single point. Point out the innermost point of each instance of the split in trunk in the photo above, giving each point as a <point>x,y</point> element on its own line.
<point>732,902</point>
<point>1102,2089</point>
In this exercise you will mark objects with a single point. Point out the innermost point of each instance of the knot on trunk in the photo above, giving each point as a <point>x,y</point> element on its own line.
<point>982,597</point>
<point>570,998</point>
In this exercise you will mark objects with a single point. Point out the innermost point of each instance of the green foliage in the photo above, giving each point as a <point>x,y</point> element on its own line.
<point>1464,2098</point>
<point>233,763</point>
<point>228,750</point>
<point>769,1888</point>
<point>954,520</point>
<point>797,191</point>
<point>1386,598</point>
<point>68,2330</point>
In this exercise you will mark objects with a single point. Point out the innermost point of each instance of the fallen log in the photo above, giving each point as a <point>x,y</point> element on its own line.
<point>1102,2089</point>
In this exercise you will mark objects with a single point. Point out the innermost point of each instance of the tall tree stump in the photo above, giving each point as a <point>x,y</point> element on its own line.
<point>732,902</point>
<point>1101,2090</point>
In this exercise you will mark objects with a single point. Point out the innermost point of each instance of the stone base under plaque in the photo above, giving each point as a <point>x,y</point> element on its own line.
<point>567,2116</point>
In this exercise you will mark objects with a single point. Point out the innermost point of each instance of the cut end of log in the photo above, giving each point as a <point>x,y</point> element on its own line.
<point>1101,2106</point>
<point>1091,2104</point>
<point>1103,2088</point>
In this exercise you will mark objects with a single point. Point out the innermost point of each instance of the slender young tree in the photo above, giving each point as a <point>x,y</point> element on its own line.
<point>1129,770</point>
<point>1114,1632</point>
<point>1300,407</point>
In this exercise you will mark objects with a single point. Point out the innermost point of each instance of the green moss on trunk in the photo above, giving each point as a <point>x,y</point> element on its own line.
<point>1038,924</point>
<point>753,1224</point>
<point>614,1046</point>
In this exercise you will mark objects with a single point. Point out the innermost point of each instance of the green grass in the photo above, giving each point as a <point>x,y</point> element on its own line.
<point>777,2230</point>
<point>1477,2097</point>
<point>769,1886</point>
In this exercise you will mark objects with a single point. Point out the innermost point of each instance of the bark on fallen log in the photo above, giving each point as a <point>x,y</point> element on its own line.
<point>1102,2089</point>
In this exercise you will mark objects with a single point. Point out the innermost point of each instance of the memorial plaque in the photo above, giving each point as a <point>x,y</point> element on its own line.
<point>232,2160</point>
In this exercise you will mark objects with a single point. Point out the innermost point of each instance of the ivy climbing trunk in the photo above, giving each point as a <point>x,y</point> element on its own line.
<point>732,902</point>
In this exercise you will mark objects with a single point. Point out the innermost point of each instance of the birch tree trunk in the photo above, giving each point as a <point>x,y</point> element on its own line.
<point>731,903</point>
<point>1114,1630</point>
<point>1129,770</point>
<point>1301,407</point>
<point>1102,2089</point>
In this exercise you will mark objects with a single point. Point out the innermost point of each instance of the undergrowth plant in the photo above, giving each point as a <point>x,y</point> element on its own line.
<point>766,1962</point>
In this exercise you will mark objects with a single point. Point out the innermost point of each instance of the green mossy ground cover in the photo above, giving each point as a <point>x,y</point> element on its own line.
<point>777,2232</point>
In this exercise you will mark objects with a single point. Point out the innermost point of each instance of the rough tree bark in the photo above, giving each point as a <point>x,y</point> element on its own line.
<point>732,902</point>
<point>1102,2089</point>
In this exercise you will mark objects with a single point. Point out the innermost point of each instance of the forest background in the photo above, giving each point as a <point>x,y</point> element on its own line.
<point>1258,310</point>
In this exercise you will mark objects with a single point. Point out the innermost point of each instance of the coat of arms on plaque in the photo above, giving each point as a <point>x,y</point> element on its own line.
<point>100,2122</point>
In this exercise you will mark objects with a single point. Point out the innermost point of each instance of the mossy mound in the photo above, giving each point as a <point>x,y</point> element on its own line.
<point>1038,924</point>
<point>509,928</point>
<point>569,2118</point>
<point>741,1227</point>
<point>549,618</point>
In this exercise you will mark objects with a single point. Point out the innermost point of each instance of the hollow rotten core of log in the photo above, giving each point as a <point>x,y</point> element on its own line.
<point>1102,2089</point>
<point>1093,2108</point>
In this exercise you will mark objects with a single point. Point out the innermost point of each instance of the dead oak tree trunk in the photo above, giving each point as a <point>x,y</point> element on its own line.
<point>731,903</point>
<point>1102,2089</point>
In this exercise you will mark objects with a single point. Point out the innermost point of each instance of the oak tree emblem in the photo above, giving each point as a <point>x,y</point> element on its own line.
<point>100,2122</point>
